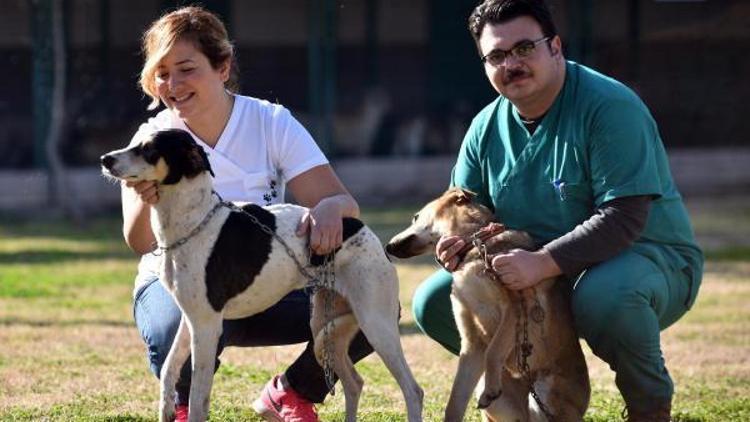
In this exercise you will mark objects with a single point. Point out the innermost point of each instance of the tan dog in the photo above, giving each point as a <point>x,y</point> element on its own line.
<point>493,322</point>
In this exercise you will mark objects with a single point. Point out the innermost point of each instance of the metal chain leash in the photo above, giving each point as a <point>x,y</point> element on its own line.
<point>328,281</point>
<point>190,235</point>
<point>325,279</point>
<point>524,347</point>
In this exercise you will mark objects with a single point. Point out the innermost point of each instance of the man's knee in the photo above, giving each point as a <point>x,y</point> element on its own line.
<point>626,281</point>
<point>423,300</point>
<point>591,312</point>
<point>433,313</point>
<point>622,319</point>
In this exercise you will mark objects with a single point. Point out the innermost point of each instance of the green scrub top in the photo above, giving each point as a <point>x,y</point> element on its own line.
<point>596,143</point>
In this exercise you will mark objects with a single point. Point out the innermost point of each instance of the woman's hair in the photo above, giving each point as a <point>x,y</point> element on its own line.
<point>196,25</point>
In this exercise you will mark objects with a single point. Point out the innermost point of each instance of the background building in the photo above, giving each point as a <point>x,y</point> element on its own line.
<point>368,77</point>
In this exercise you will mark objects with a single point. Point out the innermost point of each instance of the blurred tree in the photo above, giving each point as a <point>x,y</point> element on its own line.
<point>61,195</point>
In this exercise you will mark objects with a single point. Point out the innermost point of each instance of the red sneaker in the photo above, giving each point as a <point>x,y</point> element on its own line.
<point>181,413</point>
<point>277,405</point>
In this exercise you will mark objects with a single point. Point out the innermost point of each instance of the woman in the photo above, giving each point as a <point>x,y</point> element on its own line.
<point>256,150</point>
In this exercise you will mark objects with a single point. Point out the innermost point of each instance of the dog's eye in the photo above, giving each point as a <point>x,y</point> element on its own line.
<point>151,155</point>
<point>414,219</point>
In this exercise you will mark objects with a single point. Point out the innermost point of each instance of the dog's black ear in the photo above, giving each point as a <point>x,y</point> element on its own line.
<point>206,163</point>
<point>183,155</point>
<point>195,159</point>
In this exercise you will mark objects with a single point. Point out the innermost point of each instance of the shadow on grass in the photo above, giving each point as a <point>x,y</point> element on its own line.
<point>98,229</point>
<point>729,254</point>
<point>7,322</point>
<point>56,256</point>
<point>409,328</point>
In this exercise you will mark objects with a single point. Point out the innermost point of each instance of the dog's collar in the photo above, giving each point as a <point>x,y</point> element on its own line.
<point>476,240</point>
<point>197,228</point>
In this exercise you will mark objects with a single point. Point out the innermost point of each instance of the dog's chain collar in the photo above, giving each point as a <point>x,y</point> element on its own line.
<point>477,240</point>
<point>325,279</point>
<point>194,232</point>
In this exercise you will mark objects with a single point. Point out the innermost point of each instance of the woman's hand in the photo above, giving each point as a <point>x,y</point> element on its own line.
<point>324,225</point>
<point>320,190</point>
<point>137,198</point>
<point>146,190</point>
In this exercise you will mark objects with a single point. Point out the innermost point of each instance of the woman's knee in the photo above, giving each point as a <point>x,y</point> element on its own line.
<point>159,341</point>
<point>157,318</point>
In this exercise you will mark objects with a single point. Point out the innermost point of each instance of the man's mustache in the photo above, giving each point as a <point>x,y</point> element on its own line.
<point>511,75</point>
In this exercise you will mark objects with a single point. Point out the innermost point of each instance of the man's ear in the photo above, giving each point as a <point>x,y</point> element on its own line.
<point>555,46</point>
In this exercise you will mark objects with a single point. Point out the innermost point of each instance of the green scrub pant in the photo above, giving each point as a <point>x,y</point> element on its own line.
<point>620,306</point>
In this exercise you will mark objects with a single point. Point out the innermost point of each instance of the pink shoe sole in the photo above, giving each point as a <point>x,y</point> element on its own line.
<point>264,412</point>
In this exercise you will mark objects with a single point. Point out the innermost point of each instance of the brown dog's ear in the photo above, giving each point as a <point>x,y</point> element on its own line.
<point>464,196</point>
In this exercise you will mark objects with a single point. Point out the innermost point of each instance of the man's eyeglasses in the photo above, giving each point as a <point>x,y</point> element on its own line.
<point>520,51</point>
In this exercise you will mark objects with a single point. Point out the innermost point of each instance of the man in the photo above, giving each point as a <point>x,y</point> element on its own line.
<point>575,159</point>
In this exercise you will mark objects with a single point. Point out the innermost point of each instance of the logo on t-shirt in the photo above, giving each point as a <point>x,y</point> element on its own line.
<point>271,194</point>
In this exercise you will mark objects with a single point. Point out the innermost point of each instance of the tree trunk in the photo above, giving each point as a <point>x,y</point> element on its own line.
<point>61,195</point>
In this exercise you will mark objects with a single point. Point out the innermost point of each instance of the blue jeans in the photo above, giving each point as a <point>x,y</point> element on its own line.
<point>287,322</point>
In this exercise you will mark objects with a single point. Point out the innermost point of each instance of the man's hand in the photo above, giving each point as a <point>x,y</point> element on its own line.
<point>520,269</point>
<point>447,249</point>
<point>323,223</point>
<point>146,190</point>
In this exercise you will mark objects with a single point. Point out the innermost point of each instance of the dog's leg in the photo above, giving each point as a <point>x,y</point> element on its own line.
<point>205,332</point>
<point>513,405</point>
<point>170,370</point>
<point>341,330</point>
<point>561,396</point>
<point>498,352</point>
<point>470,363</point>
<point>384,338</point>
<point>375,305</point>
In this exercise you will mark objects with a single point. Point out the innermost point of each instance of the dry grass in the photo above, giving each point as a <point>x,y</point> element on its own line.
<point>71,352</point>
<point>64,358</point>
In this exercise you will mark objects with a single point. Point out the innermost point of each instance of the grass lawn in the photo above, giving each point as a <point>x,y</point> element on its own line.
<point>69,350</point>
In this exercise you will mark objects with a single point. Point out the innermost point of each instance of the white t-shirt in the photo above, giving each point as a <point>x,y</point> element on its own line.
<point>261,148</point>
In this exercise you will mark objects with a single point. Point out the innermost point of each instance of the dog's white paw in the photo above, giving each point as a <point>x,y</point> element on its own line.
<point>166,410</point>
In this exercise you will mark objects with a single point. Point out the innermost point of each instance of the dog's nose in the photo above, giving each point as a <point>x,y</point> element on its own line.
<point>107,161</point>
<point>389,248</point>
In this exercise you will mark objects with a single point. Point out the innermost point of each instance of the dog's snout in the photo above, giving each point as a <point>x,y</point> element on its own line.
<point>108,161</point>
<point>400,247</point>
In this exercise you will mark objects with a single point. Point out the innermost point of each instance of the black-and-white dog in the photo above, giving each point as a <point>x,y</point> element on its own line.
<point>222,263</point>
